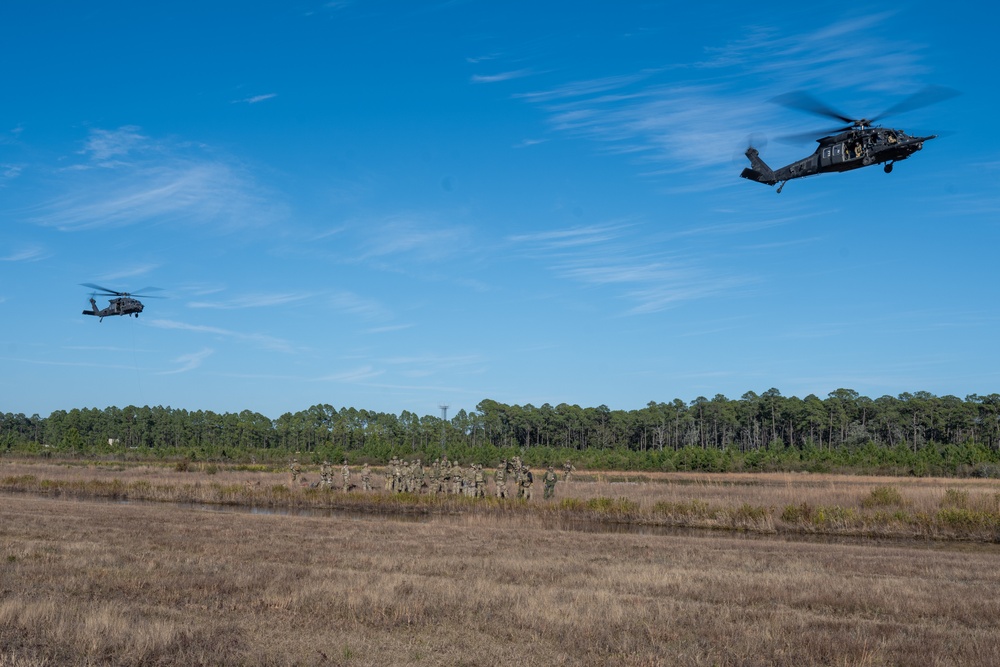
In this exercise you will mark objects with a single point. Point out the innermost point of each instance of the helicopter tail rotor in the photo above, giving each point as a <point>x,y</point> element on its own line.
<point>758,169</point>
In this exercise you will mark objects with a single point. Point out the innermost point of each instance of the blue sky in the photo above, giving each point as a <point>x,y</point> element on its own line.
<point>397,205</point>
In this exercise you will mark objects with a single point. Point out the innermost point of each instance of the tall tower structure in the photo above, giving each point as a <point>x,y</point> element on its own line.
<point>444,421</point>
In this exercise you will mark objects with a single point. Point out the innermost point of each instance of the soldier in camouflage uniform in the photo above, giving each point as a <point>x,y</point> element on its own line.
<point>435,476</point>
<point>397,476</point>
<point>388,473</point>
<point>294,470</point>
<point>445,475</point>
<point>366,477</point>
<point>568,470</point>
<point>345,472</point>
<point>549,481</point>
<point>418,476</point>
<point>456,479</point>
<point>500,479</point>
<point>480,482</point>
<point>524,482</point>
<point>469,481</point>
<point>325,475</point>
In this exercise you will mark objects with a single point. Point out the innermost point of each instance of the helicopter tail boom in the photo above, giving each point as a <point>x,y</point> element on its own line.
<point>758,170</point>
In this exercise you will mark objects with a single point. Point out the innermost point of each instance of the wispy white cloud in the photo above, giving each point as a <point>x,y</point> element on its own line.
<point>353,375</point>
<point>500,76</point>
<point>126,271</point>
<point>695,125</point>
<point>431,365</point>
<point>26,254</point>
<point>651,277</point>
<point>255,99</point>
<point>572,236</point>
<point>527,143</point>
<point>8,172</point>
<point>260,300</point>
<point>102,145</point>
<point>258,340</point>
<point>412,237</point>
<point>189,362</point>
<point>389,329</point>
<point>355,304</point>
<point>125,178</point>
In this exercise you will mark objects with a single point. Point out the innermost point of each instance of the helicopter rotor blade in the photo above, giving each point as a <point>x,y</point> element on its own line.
<point>104,290</point>
<point>918,100</point>
<point>803,101</point>
<point>754,140</point>
<point>808,137</point>
<point>140,292</point>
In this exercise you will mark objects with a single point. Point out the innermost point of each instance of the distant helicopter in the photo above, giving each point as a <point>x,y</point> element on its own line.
<point>859,144</point>
<point>124,303</point>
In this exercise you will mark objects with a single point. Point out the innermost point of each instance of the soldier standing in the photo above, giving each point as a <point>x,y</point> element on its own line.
<point>549,480</point>
<point>568,470</point>
<point>445,474</point>
<point>397,476</point>
<point>294,470</point>
<point>500,478</point>
<point>388,474</point>
<point>456,479</point>
<point>325,475</point>
<point>345,472</point>
<point>435,481</point>
<point>366,477</point>
<point>525,480</point>
<point>480,482</point>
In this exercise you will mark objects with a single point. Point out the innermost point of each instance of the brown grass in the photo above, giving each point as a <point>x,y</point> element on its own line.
<point>87,582</point>
<point>784,503</point>
<point>99,583</point>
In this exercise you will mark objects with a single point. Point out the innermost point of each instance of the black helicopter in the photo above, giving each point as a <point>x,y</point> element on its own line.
<point>859,144</point>
<point>124,303</point>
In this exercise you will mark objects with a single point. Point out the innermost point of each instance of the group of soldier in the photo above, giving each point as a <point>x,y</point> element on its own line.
<point>512,478</point>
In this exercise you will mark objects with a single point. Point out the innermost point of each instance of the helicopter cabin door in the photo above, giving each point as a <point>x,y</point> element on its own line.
<point>833,154</point>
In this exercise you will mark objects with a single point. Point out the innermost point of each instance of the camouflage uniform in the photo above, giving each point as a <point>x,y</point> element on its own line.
<point>388,473</point>
<point>345,472</point>
<point>568,470</point>
<point>500,478</point>
<point>480,482</point>
<point>397,476</point>
<point>446,475</point>
<point>294,470</point>
<point>525,480</point>
<point>418,476</point>
<point>435,481</point>
<point>469,481</point>
<point>325,475</point>
<point>366,477</point>
<point>456,479</point>
<point>549,480</point>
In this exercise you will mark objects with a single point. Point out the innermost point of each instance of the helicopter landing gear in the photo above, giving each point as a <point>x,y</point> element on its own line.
<point>887,168</point>
<point>781,186</point>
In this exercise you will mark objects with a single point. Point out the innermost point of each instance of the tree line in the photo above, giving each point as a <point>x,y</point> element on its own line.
<point>699,434</point>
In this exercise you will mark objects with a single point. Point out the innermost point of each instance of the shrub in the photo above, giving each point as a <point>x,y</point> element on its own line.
<point>884,496</point>
<point>797,513</point>
<point>693,508</point>
<point>955,498</point>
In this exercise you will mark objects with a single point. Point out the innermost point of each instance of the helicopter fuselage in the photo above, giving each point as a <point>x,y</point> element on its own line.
<point>853,149</point>
<point>120,306</point>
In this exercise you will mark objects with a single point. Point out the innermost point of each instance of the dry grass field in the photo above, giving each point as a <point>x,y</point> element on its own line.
<point>91,582</point>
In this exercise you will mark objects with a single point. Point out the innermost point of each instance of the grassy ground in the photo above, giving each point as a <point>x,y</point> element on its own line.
<point>91,582</point>
<point>768,503</point>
